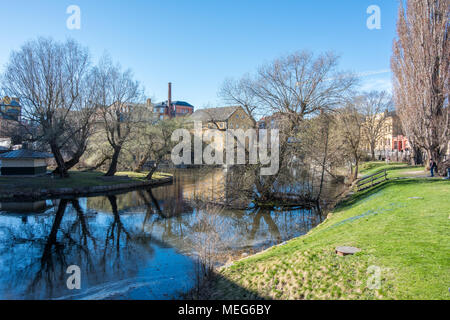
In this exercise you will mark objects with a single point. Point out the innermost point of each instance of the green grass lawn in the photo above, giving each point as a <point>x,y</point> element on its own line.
<point>405,244</point>
<point>77,179</point>
<point>395,169</point>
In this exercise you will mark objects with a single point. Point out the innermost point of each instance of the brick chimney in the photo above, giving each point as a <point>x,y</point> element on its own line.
<point>170,98</point>
<point>149,104</point>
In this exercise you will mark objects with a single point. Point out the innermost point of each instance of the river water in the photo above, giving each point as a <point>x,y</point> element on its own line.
<point>136,245</point>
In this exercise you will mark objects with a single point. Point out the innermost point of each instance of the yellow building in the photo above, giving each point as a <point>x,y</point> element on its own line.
<point>391,137</point>
<point>10,109</point>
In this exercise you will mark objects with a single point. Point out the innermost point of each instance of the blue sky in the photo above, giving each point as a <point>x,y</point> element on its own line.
<point>196,44</point>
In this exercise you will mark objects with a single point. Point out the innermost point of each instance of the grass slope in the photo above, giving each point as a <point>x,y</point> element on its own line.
<point>406,241</point>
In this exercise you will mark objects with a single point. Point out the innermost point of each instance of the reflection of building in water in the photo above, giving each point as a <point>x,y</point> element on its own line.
<point>24,207</point>
<point>209,185</point>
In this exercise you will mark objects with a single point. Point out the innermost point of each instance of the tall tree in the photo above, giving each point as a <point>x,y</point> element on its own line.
<point>420,63</point>
<point>52,80</point>
<point>350,127</point>
<point>290,89</point>
<point>117,95</point>
<point>374,107</point>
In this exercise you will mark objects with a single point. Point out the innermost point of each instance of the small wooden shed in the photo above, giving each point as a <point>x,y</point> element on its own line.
<point>23,162</point>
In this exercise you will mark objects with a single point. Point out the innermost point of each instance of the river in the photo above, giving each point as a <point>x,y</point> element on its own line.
<point>136,245</point>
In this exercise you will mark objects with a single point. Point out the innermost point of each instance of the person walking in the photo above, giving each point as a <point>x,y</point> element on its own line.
<point>433,167</point>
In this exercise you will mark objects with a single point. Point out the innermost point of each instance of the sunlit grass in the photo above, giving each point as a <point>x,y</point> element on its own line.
<point>395,169</point>
<point>402,227</point>
<point>77,179</point>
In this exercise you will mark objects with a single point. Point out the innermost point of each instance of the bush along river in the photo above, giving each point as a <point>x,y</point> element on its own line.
<point>142,244</point>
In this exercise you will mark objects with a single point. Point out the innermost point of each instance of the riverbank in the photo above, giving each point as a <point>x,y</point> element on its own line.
<point>402,228</point>
<point>78,184</point>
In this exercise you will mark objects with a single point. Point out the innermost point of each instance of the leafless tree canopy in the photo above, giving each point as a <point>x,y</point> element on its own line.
<point>117,93</point>
<point>52,80</point>
<point>421,71</point>
<point>350,122</point>
<point>374,107</point>
<point>293,88</point>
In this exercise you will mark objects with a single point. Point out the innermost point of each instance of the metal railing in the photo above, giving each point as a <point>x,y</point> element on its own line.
<point>372,180</point>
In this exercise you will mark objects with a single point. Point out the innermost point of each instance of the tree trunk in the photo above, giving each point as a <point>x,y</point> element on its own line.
<point>98,165</point>
<point>416,158</point>
<point>61,168</point>
<point>72,162</point>
<point>142,162</point>
<point>355,176</point>
<point>114,160</point>
<point>152,171</point>
<point>436,156</point>
<point>325,157</point>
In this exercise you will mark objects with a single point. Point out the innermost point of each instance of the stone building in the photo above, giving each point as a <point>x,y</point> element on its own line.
<point>223,118</point>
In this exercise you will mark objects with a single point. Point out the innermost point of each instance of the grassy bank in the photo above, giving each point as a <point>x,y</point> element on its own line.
<point>395,169</point>
<point>403,229</point>
<point>77,179</point>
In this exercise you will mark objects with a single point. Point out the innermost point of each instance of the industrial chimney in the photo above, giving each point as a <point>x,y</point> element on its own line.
<point>170,97</point>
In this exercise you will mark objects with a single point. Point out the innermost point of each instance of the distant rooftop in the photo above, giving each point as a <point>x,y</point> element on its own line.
<point>25,154</point>
<point>213,114</point>
<point>182,103</point>
<point>10,102</point>
<point>176,103</point>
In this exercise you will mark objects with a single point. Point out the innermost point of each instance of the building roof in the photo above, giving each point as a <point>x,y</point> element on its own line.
<point>182,103</point>
<point>213,114</point>
<point>25,154</point>
<point>174,103</point>
<point>9,102</point>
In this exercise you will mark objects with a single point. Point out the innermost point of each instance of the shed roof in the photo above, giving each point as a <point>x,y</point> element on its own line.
<point>25,154</point>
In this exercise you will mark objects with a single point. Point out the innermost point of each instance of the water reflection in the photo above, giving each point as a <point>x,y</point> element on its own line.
<point>137,245</point>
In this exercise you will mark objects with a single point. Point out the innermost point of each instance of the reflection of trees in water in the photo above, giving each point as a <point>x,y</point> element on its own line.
<point>237,228</point>
<point>112,245</point>
<point>103,252</point>
<point>238,186</point>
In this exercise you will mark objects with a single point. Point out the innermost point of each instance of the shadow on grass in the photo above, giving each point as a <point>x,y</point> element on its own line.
<point>359,196</point>
<point>218,287</point>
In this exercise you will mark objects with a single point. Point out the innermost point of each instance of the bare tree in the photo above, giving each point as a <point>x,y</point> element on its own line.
<point>374,107</point>
<point>320,145</point>
<point>154,142</point>
<point>240,92</point>
<point>301,85</point>
<point>53,83</point>
<point>117,94</point>
<point>294,88</point>
<point>421,67</point>
<point>350,127</point>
